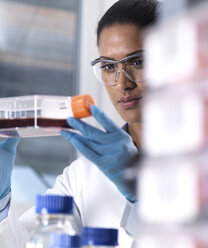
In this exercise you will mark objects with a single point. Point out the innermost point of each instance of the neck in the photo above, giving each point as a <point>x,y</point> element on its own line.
<point>135,130</point>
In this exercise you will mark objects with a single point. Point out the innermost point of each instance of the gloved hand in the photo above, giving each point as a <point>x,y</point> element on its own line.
<point>111,150</point>
<point>7,158</point>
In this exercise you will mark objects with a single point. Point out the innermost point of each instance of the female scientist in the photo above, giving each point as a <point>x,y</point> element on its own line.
<point>96,180</point>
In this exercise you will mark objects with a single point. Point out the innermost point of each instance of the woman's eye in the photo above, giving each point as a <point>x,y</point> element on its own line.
<point>108,67</point>
<point>139,63</point>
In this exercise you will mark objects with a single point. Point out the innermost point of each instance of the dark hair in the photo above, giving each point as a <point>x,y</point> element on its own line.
<point>138,12</point>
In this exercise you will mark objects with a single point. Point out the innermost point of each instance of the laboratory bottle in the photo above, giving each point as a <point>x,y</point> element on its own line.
<point>62,240</point>
<point>99,237</point>
<point>54,214</point>
<point>41,115</point>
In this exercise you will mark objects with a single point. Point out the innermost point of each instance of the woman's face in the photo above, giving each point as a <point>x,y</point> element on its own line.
<point>117,42</point>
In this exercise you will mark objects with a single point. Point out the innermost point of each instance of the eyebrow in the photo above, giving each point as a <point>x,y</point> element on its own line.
<point>135,52</point>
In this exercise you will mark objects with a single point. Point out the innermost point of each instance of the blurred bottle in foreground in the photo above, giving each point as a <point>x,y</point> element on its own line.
<point>61,240</point>
<point>54,214</point>
<point>97,237</point>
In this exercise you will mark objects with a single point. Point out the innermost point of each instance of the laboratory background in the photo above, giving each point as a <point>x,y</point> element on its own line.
<point>46,49</point>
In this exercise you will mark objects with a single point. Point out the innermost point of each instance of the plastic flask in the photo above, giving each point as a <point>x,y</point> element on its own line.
<point>62,240</point>
<point>41,115</point>
<point>99,237</point>
<point>54,214</point>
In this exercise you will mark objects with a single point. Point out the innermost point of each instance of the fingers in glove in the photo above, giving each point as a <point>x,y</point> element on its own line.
<point>10,144</point>
<point>103,119</point>
<point>87,130</point>
<point>98,148</point>
<point>81,144</point>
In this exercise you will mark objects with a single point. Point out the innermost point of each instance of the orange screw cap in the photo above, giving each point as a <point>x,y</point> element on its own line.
<point>81,105</point>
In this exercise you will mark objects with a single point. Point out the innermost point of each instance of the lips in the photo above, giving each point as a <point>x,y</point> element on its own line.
<point>129,102</point>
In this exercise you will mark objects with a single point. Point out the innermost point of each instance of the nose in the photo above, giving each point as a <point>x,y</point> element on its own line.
<point>123,81</point>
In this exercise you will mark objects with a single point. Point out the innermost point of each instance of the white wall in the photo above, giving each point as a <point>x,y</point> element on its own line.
<point>92,11</point>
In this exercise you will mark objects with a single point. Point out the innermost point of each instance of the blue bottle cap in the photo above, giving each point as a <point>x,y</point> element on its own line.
<point>54,204</point>
<point>61,240</point>
<point>99,236</point>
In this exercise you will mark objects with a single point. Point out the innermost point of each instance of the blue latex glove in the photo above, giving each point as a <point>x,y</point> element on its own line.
<point>7,158</point>
<point>111,150</point>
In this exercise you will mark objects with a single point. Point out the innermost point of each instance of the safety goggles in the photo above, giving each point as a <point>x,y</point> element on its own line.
<point>107,71</point>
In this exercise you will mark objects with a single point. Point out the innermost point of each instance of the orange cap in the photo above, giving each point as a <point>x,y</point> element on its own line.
<point>81,105</point>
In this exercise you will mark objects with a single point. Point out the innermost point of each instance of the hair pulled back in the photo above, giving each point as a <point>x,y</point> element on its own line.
<point>140,13</point>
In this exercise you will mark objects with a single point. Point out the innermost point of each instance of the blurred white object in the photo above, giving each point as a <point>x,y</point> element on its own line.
<point>173,9</point>
<point>173,191</point>
<point>176,121</point>
<point>176,53</point>
<point>173,240</point>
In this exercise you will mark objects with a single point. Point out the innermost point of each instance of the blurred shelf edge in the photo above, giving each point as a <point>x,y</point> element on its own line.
<point>38,18</point>
<point>27,38</point>
<point>52,4</point>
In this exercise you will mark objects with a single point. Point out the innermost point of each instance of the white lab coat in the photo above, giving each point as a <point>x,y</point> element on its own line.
<point>98,204</point>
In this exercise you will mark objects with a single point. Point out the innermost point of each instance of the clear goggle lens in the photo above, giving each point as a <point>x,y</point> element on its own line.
<point>108,71</point>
